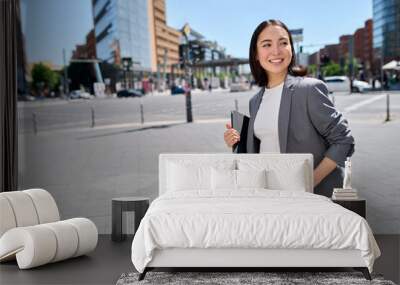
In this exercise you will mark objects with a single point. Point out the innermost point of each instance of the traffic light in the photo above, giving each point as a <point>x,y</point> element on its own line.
<point>325,59</point>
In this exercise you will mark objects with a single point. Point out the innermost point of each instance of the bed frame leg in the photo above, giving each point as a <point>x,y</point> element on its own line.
<point>143,274</point>
<point>364,271</point>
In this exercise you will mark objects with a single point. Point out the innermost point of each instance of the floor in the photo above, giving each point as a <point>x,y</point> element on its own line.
<point>103,266</point>
<point>111,259</point>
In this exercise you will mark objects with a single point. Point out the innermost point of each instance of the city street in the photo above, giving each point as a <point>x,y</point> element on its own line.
<point>85,167</point>
<point>59,115</point>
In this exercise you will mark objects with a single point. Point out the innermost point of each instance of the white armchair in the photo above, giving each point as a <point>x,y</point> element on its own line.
<point>31,230</point>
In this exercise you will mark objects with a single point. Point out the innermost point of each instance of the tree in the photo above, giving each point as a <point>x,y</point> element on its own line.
<point>312,69</point>
<point>332,69</point>
<point>44,77</point>
<point>350,68</point>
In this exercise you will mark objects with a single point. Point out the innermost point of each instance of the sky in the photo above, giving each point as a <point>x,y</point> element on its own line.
<point>65,22</point>
<point>232,22</point>
<point>229,22</point>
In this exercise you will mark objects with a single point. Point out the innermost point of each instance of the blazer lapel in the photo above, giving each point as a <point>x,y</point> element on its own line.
<point>251,140</point>
<point>258,100</point>
<point>284,112</point>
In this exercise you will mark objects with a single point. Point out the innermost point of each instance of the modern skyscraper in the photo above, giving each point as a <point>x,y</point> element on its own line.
<point>122,30</point>
<point>135,29</point>
<point>386,30</point>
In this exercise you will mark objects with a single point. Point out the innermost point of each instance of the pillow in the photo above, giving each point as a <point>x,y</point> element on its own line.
<point>295,180</point>
<point>183,177</point>
<point>251,178</point>
<point>225,179</point>
<point>284,174</point>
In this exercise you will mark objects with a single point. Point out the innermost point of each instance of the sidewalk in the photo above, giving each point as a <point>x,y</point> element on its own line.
<point>61,101</point>
<point>167,92</point>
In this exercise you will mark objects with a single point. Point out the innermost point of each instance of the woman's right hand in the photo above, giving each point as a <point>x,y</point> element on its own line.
<point>231,136</point>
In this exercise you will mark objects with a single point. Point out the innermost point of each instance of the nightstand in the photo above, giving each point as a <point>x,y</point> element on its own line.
<point>358,206</point>
<point>139,205</point>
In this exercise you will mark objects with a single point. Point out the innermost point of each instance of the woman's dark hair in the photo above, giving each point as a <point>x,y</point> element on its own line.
<point>259,74</point>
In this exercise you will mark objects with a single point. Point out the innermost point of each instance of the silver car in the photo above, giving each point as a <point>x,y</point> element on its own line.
<point>342,84</point>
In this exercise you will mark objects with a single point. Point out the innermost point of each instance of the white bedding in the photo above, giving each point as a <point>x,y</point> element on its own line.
<point>250,218</point>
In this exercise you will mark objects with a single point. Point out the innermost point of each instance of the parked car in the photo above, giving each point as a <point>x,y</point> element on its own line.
<point>342,84</point>
<point>175,90</point>
<point>129,93</point>
<point>361,86</point>
<point>337,83</point>
<point>26,97</point>
<point>78,94</point>
<point>240,87</point>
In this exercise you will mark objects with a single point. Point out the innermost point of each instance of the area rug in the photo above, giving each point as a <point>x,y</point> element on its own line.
<point>243,278</point>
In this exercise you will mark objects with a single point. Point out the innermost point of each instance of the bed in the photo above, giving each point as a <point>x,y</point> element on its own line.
<point>245,211</point>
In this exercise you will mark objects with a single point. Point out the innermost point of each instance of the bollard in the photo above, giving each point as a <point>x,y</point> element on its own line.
<point>236,105</point>
<point>387,108</point>
<point>333,100</point>
<point>34,123</point>
<point>188,102</point>
<point>141,113</point>
<point>93,118</point>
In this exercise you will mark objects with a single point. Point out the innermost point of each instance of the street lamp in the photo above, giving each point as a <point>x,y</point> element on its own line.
<point>382,63</point>
<point>65,81</point>
<point>351,65</point>
<point>126,64</point>
<point>188,96</point>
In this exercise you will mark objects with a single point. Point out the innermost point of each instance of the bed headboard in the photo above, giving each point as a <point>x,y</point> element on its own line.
<point>270,159</point>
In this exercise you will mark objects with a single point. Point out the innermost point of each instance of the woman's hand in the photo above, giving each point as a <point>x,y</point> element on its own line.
<point>324,168</point>
<point>231,136</point>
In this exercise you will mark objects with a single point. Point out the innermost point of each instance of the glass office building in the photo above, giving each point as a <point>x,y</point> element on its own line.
<point>386,29</point>
<point>122,30</point>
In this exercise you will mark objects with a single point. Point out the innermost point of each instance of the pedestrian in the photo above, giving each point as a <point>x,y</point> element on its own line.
<point>293,114</point>
<point>385,81</point>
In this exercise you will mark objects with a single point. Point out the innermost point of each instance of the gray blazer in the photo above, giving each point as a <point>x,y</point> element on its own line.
<point>308,122</point>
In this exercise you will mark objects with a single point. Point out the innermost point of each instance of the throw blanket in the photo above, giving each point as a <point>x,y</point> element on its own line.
<point>252,218</point>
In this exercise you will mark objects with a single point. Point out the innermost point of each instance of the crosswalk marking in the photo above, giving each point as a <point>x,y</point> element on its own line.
<point>363,103</point>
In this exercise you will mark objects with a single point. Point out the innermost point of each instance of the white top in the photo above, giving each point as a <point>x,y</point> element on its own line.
<point>266,123</point>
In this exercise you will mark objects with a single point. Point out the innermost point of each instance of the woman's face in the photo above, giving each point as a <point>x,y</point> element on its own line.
<point>274,51</point>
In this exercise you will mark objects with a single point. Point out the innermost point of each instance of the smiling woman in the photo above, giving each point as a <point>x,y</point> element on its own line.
<point>293,114</point>
<point>272,48</point>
